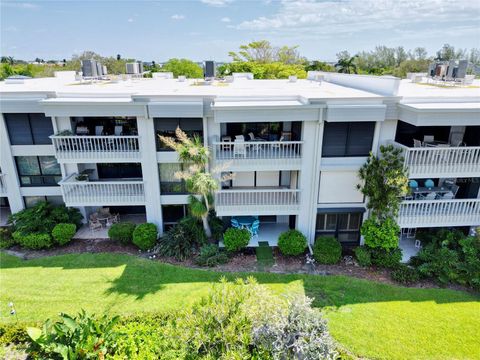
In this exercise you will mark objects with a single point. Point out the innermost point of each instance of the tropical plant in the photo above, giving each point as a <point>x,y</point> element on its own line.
<point>319,66</point>
<point>327,250</point>
<point>122,232</point>
<point>405,274</point>
<point>75,337</point>
<point>381,234</point>
<point>210,255</point>
<point>346,65</point>
<point>384,258</point>
<point>34,241</point>
<point>292,242</point>
<point>62,233</point>
<point>236,239</point>
<point>145,236</point>
<point>364,258</point>
<point>384,182</point>
<point>6,239</point>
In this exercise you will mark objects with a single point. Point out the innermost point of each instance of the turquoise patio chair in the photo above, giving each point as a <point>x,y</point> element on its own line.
<point>234,223</point>
<point>255,227</point>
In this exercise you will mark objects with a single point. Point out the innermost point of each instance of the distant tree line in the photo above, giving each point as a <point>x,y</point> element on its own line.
<point>264,60</point>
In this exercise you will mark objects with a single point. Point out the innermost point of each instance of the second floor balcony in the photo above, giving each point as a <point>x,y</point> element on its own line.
<point>101,193</point>
<point>261,201</point>
<point>112,148</point>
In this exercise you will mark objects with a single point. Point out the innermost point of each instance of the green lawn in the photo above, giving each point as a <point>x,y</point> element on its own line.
<point>370,319</point>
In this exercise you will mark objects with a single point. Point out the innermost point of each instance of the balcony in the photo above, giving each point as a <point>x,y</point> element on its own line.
<point>3,185</point>
<point>441,162</point>
<point>79,149</point>
<point>267,155</point>
<point>439,213</point>
<point>100,193</point>
<point>259,201</point>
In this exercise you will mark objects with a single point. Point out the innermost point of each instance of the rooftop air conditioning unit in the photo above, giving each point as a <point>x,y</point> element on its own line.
<point>99,69</point>
<point>132,68</point>
<point>209,69</point>
<point>89,68</point>
<point>104,70</point>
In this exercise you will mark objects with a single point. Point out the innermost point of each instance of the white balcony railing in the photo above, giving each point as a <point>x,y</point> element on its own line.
<point>461,161</point>
<point>81,148</point>
<point>432,213</point>
<point>255,201</point>
<point>261,153</point>
<point>100,193</point>
<point>3,184</point>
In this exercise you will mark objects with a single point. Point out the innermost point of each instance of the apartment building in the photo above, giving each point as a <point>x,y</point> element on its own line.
<point>293,148</point>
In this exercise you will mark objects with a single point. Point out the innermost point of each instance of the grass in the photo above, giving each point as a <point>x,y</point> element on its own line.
<point>264,255</point>
<point>370,319</point>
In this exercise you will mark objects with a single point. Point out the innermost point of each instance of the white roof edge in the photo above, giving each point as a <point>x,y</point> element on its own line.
<point>444,107</point>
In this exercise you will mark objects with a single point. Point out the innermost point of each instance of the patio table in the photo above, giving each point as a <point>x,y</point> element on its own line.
<point>245,221</point>
<point>441,190</point>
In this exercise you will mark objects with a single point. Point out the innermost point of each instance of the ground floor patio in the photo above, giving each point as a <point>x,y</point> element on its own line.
<point>102,233</point>
<point>407,244</point>
<point>267,232</point>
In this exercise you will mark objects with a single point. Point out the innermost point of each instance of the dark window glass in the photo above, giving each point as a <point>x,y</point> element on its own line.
<point>347,139</point>
<point>169,183</point>
<point>344,226</point>
<point>38,170</point>
<point>119,171</point>
<point>173,213</point>
<point>30,201</point>
<point>29,129</point>
<point>167,126</point>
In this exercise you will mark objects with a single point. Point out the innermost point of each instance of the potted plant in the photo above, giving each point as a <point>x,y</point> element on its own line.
<point>64,133</point>
<point>81,177</point>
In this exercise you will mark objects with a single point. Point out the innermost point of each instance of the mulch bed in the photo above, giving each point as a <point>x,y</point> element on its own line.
<point>245,261</point>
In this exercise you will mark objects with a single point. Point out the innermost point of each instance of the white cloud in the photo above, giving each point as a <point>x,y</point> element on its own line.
<point>225,19</point>
<point>130,20</point>
<point>217,3</point>
<point>177,17</point>
<point>19,5</point>
<point>344,17</point>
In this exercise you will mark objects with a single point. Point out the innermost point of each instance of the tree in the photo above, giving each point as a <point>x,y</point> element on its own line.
<point>412,66</point>
<point>317,65</point>
<point>385,181</point>
<point>198,180</point>
<point>183,67</point>
<point>274,70</point>
<point>346,65</point>
<point>448,52</point>
<point>8,60</point>
<point>119,57</point>
<point>263,52</point>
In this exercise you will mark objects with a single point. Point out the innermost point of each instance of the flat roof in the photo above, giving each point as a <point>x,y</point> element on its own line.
<point>443,106</point>
<point>409,90</point>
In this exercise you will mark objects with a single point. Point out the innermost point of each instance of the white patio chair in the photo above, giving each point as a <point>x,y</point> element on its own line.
<point>448,196</point>
<point>94,225</point>
<point>431,196</point>
<point>252,137</point>
<point>98,130</point>
<point>239,148</point>
<point>428,138</point>
<point>417,143</point>
<point>118,130</point>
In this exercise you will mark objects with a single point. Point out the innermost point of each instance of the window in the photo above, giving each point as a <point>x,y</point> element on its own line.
<point>38,170</point>
<point>172,214</point>
<point>30,201</point>
<point>29,129</point>
<point>347,139</point>
<point>119,171</point>
<point>344,226</point>
<point>169,183</point>
<point>167,126</point>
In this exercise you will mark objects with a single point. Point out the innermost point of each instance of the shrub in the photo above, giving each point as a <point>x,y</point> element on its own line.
<point>194,230</point>
<point>386,258</point>
<point>381,234</point>
<point>62,233</point>
<point>43,217</point>
<point>79,337</point>
<point>405,274</point>
<point>364,258</point>
<point>176,242</point>
<point>145,236</point>
<point>292,242</point>
<point>33,241</point>
<point>236,239</point>
<point>210,255</point>
<point>13,333</point>
<point>122,232</point>
<point>6,239</point>
<point>327,250</point>
<point>216,225</point>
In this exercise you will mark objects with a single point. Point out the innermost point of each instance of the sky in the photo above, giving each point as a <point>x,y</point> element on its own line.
<point>208,29</point>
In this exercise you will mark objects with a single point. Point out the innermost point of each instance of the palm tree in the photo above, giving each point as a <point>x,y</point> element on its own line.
<point>198,180</point>
<point>346,65</point>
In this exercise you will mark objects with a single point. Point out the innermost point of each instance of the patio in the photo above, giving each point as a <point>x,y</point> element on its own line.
<point>407,244</point>
<point>268,232</point>
<point>85,233</point>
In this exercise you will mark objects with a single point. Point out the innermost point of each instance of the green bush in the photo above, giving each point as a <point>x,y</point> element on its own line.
<point>43,217</point>
<point>6,239</point>
<point>62,233</point>
<point>381,234</point>
<point>364,258</point>
<point>327,250</point>
<point>292,242</point>
<point>405,274</point>
<point>13,333</point>
<point>194,229</point>
<point>236,239</point>
<point>216,225</point>
<point>33,241</point>
<point>145,236</point>
<point>210,255</point>
<point>386,258</point>
<point>122,232</point>
<point>177,243</point>
<point>79,337</point>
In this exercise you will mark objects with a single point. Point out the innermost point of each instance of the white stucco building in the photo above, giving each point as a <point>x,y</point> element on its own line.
<point>300,171</point>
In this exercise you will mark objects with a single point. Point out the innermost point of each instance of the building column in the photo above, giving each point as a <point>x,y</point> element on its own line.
<point>7,164</point>
<point>151,179</point>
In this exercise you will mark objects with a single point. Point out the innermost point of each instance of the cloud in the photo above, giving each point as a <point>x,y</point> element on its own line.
<point>311,17</point>
<point>217,3</point>
<point>225,19</point>
<point>19,5</point>
<point>177,17</point>
<point>130,20</point>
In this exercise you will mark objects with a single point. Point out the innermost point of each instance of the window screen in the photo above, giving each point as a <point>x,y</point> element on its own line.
<point>347,139</point>
<point>29,129</point>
